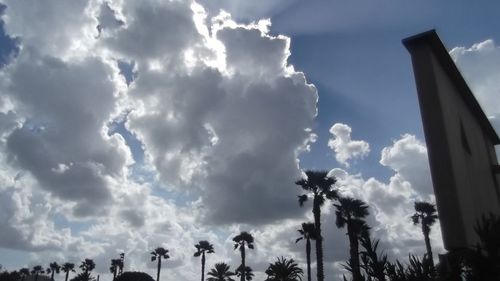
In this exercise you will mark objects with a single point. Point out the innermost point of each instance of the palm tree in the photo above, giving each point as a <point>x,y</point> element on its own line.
<point>247,273</point>
<point>24,272</point>
<point>158,254</point>
<point>53,268</point>
<point>220,272</point>
<point>284,270</point>
<point>67,267</point>
<point>374,264</point>
<point>115,265</point>
<point>308,233</point>
<point>351,213</point>
<point>201,248</point>
<point>121,264</point>
<point>37,270</point>
<point>320,185</point>
<point>240,240</point>
<point>87,266</point>
<point>425,214</point>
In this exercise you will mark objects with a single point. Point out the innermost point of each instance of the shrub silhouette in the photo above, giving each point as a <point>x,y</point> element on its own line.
<point>134,276</point>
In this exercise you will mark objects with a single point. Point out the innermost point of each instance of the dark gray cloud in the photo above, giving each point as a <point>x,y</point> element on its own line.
<point>61,143</point>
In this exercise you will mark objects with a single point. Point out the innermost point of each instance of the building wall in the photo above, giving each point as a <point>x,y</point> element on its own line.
<point>472,154</point>
<point>461,152</point>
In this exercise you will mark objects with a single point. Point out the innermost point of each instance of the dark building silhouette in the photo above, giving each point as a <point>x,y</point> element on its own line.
<point>460,142</point>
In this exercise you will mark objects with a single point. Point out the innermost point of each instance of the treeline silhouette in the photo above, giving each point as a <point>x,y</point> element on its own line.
<point>366,262</point>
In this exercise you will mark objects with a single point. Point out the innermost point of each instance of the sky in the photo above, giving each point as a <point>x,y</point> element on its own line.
<point>125,126</point>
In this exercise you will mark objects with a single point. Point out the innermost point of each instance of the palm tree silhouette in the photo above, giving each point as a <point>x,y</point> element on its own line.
<point>23,272</point>
<point>425,214</point>
<point>87,266</point>
<point>374,264</point>
<point>121,264</point>
<point>201,248</point>
<point>115,265</point>
<point>220,272</point>
<point>308,233</point>
<point>240,241</point>
<point>37,270</point>
<point>53,268</point>
<point>247,273</point>
<point>320,185</point>
<point>67,267</point>
<point>351,213</point>
<point>284,270</point>
<point>158,254</point>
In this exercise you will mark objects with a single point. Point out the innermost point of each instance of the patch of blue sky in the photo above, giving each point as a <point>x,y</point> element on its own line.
<point>9,47</point>
<point>61,222</point>
<point>136,147</point>
<point>127,70</point>
<point>16,259</point>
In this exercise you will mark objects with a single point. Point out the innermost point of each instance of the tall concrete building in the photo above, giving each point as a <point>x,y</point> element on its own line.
<point>460,142</point>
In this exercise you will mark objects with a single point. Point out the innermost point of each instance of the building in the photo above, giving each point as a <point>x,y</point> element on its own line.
<point>460,142</point>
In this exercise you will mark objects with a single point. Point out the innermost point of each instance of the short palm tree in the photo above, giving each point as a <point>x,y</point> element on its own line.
<point>158,254</point>
<point>201,248</point>
<point>220,272</point>
<point>242,240</point>
<point>122,263</point>
<point>321,186</point>
<point>87,266</point>
<point>24,272</point>
<point>351,213</point>
<point>247,273</point>
<point>37,270</point>
<point>284,270</point>
<point>67,267</point>
<point>115,265</point>
<point>308,233</point>
<point>53,268</point>
<point>426,215</point>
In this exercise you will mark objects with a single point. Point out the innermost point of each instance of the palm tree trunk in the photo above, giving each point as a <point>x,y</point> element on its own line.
<point>242,247</point>
<point>202,266</point>
<point>428,246</point>
<point>354,252</point>
<point>114,273</point>
<point>36,277</point>
<point>52,276</point>
<point>319,239</point>
<point>308,257</point>
<point>158,270</point>
<point>67,275</point>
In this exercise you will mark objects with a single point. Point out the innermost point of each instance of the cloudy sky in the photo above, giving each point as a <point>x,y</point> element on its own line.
<point>125,126</point>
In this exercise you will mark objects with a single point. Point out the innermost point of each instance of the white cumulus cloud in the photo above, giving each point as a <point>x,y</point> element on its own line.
<point>344,147</point>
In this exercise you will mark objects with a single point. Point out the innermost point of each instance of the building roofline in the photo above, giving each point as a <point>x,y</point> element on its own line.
<point>431,38</point>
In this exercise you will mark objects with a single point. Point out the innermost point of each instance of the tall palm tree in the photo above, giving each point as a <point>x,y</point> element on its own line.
<point>67,267</point>
<point>158,254</point>
<point>201,248</point>
<point>24,272</point>
<point>320,185</point>
<point>240,240</point>
<point>308,233</point>
<point>284,270</point>
<point>53,268</point>
<point>351,213</point>
<point>247,273</point>
<point>115,265</point>
<point>220,272</point>
<point>37,270</point>
<point>426,215</point>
